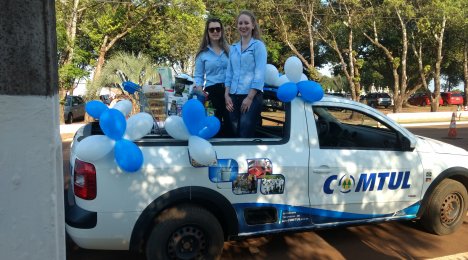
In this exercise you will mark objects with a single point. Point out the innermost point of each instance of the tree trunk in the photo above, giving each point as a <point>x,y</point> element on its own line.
<point>440,41</point>
<point>465,72</point>
<point>101,59</point>
<point>397,100</point>
<point>404,55</point>
<point>71,34</point>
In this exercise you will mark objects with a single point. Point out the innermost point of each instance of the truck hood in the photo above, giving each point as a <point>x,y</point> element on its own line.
<point>426,144</point>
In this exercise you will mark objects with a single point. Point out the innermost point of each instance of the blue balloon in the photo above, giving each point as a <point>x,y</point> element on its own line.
<point>310,91</point>
<point>128,155</point>
<point>95,108</point>
<point>193,114</point>
<point>287,92</point>
<point>210,128</point>
<point>113,124</point>
<point>131,87</point>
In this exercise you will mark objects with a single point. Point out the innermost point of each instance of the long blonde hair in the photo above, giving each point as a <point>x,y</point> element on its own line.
<point>256,32</point>
<point>206,38</point>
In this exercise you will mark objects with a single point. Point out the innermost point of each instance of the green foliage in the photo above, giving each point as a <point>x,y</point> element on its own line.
<point>67,75</point>
<point>335,83</point>
<point>136,68</point>
<point>169,32</point>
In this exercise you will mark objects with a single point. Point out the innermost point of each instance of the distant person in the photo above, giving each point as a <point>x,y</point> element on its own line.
<point>210,69</point>
<point>245,76</point>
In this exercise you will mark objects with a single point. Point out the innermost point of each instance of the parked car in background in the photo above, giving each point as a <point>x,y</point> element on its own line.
<point>378,99</point>
<point>73,108</point>
<point>422,99</point>
<point>338,94</point>
<point>452,98</point>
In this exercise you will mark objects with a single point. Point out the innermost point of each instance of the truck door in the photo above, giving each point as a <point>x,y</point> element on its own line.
<point>271,172</point>
<point>359,168</point>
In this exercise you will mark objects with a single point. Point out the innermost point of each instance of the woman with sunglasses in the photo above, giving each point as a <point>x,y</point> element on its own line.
<point>210,69</point>
<point>245,76</point>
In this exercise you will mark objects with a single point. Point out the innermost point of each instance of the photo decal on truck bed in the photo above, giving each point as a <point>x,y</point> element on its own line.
<point>225,171</point>
<point>272,184</point>
<point>259,167</point>
<point>245,184</point>
<point>260,171</point>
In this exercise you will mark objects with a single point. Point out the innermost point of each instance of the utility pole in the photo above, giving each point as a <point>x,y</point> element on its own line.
<point>31,170</point>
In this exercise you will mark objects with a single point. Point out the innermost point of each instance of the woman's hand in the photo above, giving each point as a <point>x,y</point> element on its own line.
<point>229,104</point>
<point>246,104</point>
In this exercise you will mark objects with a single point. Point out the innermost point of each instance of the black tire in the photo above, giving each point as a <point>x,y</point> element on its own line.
<point>446,208</point>
<point>185,232</point>
<point>69,119</point>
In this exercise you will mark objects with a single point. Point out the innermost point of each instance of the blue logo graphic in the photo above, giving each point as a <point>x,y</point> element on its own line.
<point>368,182</point>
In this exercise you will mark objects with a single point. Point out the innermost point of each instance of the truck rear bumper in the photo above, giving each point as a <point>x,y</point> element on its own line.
<point>111,231</point>
<point>75,216</point>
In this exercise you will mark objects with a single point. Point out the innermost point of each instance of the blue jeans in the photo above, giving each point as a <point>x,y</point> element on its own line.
<point>243,124</point>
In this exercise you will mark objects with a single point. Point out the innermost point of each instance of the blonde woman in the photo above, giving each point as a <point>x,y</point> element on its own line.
<point>245,76</point>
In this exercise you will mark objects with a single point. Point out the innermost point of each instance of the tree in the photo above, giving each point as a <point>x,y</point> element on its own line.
<point>404,12</point>
<point>287,17</point>
<point>108,23</point>
<point>337,31</point>
<point>129,67</point>
<point>72,61</point>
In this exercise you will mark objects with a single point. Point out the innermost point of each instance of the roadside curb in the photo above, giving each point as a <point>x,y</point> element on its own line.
<point>428,117</point>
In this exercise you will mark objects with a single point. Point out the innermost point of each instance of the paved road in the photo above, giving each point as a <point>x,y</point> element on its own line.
<point>392,240</point>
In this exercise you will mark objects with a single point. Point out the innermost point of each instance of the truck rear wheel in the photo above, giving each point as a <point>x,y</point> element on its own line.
<point>185,232</point>
<point>446,208</point>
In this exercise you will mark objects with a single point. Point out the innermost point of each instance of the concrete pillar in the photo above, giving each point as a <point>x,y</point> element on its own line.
<point>31,178</point>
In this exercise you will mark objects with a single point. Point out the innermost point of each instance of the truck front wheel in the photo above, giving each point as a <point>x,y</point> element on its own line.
<point>446,208</point>
<point>185,232</point>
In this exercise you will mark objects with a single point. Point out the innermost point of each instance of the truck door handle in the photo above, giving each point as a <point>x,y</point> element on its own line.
<point>322,169</point>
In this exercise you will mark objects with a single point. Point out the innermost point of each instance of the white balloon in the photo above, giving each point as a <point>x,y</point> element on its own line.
<point>201,151</point>
<point>271,74</point>
<point>303,77</point>
<point>293,69</point>
<point>93,148</point>
<point>175,127</point>
<point>124,106</point>
<point>138,126</point>
<point>281,80</point>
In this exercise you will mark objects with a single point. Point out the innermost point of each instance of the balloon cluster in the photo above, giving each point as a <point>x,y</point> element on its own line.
<point>195,127</point>
<point>292,82</point>
<point>119,135</point>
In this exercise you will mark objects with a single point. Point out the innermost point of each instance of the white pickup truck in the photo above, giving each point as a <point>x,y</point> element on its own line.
<point>330,163</point>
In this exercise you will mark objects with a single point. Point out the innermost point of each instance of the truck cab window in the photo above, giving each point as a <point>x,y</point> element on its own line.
<point>345,128</point>
<point>273,118</point>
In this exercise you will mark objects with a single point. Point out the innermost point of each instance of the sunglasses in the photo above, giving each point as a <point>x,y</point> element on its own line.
<point>214,29</point>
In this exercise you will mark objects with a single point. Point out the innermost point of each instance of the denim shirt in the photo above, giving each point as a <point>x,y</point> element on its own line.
<point>246,69</point>
<point>210,67</point>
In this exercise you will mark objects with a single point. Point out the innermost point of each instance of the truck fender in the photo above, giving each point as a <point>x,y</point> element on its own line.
<point>207,198</point>
<point>459,174</point>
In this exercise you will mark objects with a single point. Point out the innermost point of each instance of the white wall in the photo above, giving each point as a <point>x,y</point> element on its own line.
<point>31,179</point>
